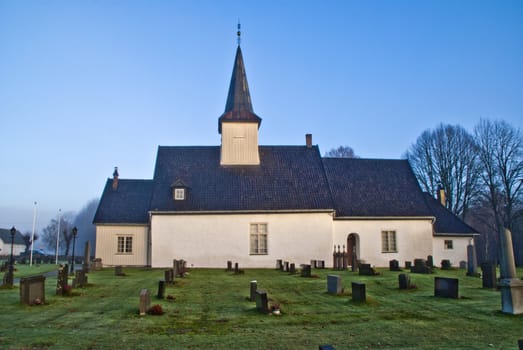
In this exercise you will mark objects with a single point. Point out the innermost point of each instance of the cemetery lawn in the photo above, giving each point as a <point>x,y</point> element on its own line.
<point>211,311</point>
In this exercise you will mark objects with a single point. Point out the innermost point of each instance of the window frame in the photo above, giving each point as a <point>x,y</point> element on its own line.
<point>448,244</point>
<point>179,194</point>
<point>124,245</point>
<point>389,241</point>
<point>258,236</point>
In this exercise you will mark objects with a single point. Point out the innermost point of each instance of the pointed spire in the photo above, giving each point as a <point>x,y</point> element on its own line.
<point>238,107</point>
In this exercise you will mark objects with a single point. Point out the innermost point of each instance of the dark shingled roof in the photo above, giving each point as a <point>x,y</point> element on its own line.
<point>128,204</point>
<point>374,188</point>
<point>288,178</point>
<point>239,105</point>
<point>5,235</point>
<point>446,222</point>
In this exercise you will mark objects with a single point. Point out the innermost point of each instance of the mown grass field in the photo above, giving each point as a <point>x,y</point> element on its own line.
<point>211,311</point>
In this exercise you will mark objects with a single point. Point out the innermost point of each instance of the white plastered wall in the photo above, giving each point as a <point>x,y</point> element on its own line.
<point>212,240</point>
<point>107,245</point>
<point>455,255</point>
<point>413,239</point>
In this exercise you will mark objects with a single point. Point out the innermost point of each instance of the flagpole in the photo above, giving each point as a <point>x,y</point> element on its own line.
<point>58,234</point>
<point>33,236</point>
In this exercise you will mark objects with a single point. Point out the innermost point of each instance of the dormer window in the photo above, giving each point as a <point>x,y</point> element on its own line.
<point>179,189</point>
<point>179,194</point>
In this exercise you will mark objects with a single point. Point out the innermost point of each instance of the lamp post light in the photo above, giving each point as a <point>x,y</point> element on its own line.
<point>75,233</point>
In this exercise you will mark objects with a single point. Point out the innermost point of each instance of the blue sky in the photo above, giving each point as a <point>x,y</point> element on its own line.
<point>89,85</point>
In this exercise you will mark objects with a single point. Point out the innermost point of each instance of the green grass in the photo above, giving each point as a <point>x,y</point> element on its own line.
<point>211,311</point>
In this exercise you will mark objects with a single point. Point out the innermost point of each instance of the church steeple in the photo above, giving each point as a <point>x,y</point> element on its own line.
<point>239,106</point>
<point>239,125</point>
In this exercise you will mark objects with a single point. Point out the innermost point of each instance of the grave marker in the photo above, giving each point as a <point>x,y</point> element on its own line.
<point>229,266</point>
<point>62,279</point>
<point>32,290</point>
<point>367,270</point>
<point>118,270</point>
<point>145,301</point>
<point>445,264</point>
<point>305,270</point>
<point>87,257</point>
<point>254,288</point>
<point>488,276</point>
<point>334,284</point>
<point>472,265</point>
<point>446,287</point>
<point>279,264</point>
<point>404,281</point>
<point>358,292</point>
<point>161,289</point>
<point>394,265</point>
<point>262,303</point>
<point>292,268</point>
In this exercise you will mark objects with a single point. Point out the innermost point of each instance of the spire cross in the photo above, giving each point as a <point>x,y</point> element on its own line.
<point>239,33</point>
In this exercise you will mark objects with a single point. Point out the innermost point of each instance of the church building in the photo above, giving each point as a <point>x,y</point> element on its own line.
<point>254,204</point>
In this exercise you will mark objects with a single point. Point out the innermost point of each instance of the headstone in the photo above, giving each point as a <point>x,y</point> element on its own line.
<point>367,270</point>
<point>62,279</point>
<point>87,257</point>
<point>430,261</point>
<point>358,292</point>
<point>488,275</point>
<point>229,265</point>
<point>420,266</point>
<point>327,347</point>
<point>511,287</point>
<point>404,281</point>
<point>334,284</point>
<point>168,276</point>
<point>254,288</point>
<point>262,303</point>
<point>408,264</point>
<point>118,271</point>
<point>80,279</point>
<point>472,265</point>
<point>446,287</point>
<point>32,290</point>
<point>520,344</point>
<point>161,289</point>
<point>236,268</point>
<point>8,278</point>
<point>394,265</point>
<point>145,301</point>
<point>97,264</point>
<point>292,268</point>
<point>286,268</point>
<point>463,264</point>
<point>313,264</point>
<point>305,270</point>
<point>321,264</point>
<point>445,264</point>
<point>279,264</point>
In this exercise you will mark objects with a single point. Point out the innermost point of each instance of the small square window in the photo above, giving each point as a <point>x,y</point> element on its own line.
<point>125,245</point>
<point>179,194</point>
<point>448,244</point>
<point>388,242</point>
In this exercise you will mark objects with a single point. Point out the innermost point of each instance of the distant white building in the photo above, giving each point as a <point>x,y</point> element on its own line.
<point>5,243</point>
<point>254,204</point>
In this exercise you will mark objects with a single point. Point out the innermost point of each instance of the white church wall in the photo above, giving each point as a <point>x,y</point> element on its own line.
<point>455,255</point>
<point>413,239</point>
<point>107,245</point>
<point>212,240</point>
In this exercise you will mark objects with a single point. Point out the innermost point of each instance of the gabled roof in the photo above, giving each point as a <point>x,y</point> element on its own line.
<point>238,107</point>
<point>446,222</point>
<point>288,178</point>
<point>128,204</point>
<point>374,188</point>
<point>5,235</point>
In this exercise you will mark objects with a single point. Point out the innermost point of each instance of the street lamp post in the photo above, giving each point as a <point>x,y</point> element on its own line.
<point>75,233</point>
<point>11,262</point>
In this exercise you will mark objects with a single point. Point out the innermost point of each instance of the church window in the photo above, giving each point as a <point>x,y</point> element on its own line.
<point>125,244</point>
<point>388,242</point>
<point>179,194</point>
<point>448,244</point>
<point>258,237</point>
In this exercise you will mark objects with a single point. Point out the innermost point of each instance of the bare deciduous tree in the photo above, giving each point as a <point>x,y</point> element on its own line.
<point>447,157</point>
<point>50,231</point>
<point>341,152</point>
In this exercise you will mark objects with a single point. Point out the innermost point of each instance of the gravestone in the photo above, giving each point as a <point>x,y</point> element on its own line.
<point>408,264</point>
<point>292,268</point>
<point>430,261</point>
<point>404,281</point>
<point>229,266</point>
<point>445,264</point>
<point>420,266</point>
<point>520,344</point>
<point>327,347</point>
<point>286,267</point>
<point>80,279</point>
<point>488,276</point>
<point>463,264</point>
<point>313,264</point>
<point>62,279</point>
<point>472,265</point>
<point>168,276</point>
<point>118,270</point>
<point>511,287</point>
<point>305,270</point>
<point>279,264</point>
<point>262,302</point>
<point>446,287</point>
<point>334,284</point>
<point>254,288</point>
<point>321,264</point>
<point>236,268</point>
<point>161,289</point>
<point>97,264</point>
<point>145,301</point>
<point>394,265</point>
<point>367,270</point>
<point>358,292</point>
<point>8,278</point>
<point>32,290</point>
<point>87,257</point>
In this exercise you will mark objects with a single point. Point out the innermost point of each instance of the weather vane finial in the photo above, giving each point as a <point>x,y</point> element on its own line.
<point>239,33</point>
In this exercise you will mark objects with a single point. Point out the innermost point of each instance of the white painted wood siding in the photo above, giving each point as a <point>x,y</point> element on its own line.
<point>239,144</point>
<point>107,245</point>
